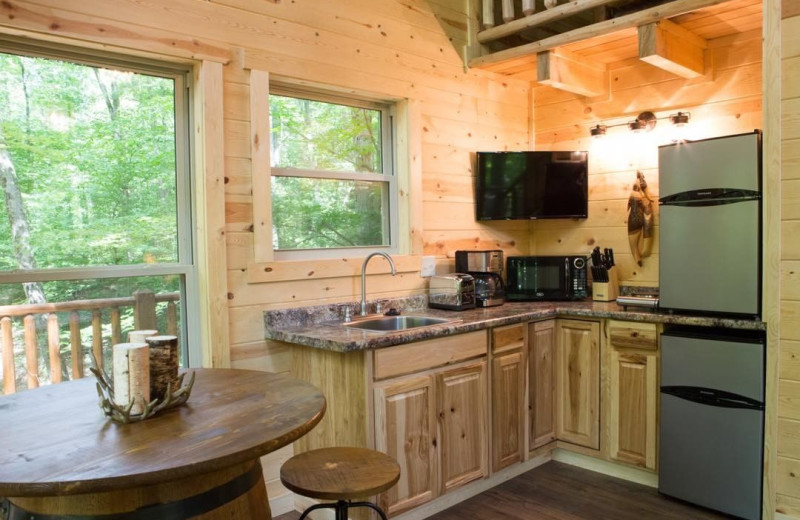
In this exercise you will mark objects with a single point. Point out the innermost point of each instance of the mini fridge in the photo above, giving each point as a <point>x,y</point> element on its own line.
<point>710,225</point>
<point>712,418</point>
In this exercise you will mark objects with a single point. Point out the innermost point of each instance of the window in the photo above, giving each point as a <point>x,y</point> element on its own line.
<point>96,217</point>
<point>333,181</point>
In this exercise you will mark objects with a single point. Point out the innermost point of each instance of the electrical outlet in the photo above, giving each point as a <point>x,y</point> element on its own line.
<point>428,266</point>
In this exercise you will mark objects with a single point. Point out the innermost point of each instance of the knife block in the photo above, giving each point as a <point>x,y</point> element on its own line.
<point>606,291</point>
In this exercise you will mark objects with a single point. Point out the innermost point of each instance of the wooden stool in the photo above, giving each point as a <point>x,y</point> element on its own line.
<point>340,474</point>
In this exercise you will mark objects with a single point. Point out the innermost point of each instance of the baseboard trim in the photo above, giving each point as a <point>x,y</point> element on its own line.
<point>605,467</point>
<point>282,504</point>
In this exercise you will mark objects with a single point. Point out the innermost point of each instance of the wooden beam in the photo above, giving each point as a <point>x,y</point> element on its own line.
<point>212,264</point>
<point>636,19</point>
<point>540,18</point>
<point>567,71</point>
<point>670,47</point>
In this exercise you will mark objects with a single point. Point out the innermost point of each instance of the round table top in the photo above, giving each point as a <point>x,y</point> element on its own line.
<point>55,440</point>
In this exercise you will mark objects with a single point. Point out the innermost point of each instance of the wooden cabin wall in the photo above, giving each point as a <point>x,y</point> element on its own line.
<point>788,446</point>
<point>403,50</point>
<point>725,100</point>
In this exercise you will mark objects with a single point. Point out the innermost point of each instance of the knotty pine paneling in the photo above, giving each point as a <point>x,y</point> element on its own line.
<point>725,100</point>
<point>790,359</point>
<point>387,49</point>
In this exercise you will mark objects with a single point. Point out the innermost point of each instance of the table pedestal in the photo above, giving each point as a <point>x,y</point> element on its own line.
<point>234,493</point>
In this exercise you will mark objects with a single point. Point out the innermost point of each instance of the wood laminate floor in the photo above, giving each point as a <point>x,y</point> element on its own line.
<point>557,491</point>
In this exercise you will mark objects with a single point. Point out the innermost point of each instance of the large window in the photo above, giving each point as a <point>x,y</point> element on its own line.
<point>333,182</point>
<point>96,210</point>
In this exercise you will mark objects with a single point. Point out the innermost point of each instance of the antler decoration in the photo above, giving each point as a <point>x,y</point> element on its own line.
<point>122,412</point>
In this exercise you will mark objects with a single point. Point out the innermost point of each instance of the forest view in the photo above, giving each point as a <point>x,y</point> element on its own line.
<point>343,205</point>
<point>88,173</point>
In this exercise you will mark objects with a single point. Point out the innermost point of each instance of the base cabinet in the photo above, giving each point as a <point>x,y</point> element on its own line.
<point>578,382</point>
<point>406,423</point>
<point>541,383</point>
<point>435,426</point>
<point>462,422</point>
<point>633,393</point>
<point>509,346</point>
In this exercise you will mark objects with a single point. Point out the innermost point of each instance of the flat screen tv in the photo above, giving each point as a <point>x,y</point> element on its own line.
<point>531,185</point>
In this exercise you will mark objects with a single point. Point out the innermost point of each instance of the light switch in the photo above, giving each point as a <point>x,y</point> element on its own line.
<point>428,266</point>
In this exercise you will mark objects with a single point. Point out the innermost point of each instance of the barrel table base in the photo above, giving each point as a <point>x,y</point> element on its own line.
<point>234,493</point>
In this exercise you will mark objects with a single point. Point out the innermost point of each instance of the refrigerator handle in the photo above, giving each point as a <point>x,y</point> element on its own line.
<point>712,397</point>
<point>709,197</point>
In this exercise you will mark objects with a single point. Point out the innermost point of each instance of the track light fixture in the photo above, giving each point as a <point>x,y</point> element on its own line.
<point>644,122</point>
<point>598,130</point>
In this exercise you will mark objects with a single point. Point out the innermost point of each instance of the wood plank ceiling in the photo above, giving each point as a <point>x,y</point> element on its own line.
<point>673,43</point>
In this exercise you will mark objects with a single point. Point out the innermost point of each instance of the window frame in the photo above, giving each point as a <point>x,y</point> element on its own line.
<point>186,208</point>
<point>389,176</point>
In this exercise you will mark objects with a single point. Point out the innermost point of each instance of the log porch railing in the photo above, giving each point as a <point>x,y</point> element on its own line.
<point>144,305</point>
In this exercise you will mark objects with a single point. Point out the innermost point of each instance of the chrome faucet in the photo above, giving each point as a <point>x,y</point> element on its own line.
<point>364,277</point>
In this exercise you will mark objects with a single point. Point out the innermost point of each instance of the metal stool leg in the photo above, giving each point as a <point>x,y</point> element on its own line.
<point>341,509</point>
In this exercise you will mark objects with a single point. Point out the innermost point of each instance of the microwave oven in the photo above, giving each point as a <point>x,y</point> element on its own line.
<point>532,278</point>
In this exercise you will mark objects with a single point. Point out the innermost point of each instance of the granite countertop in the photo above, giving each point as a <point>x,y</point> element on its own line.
<point>321,326</point>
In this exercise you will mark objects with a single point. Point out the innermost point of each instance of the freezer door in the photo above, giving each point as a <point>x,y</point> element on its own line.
<point>712,455</point>
<point>725,162</point>
<point>709,258</point>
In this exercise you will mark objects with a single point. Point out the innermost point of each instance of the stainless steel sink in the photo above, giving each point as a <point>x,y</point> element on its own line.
<point>395,323</point>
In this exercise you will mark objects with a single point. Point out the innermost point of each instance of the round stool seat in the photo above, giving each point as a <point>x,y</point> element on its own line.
<point>340,473</point>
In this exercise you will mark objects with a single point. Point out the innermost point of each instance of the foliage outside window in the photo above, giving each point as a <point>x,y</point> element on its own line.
<point>333,185</point>
<point>93,168</point>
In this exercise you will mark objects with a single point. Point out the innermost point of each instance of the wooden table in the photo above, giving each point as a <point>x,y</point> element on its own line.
<point>60,456</point>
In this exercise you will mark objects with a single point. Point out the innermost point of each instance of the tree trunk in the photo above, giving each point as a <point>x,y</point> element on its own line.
<point>18,221</point>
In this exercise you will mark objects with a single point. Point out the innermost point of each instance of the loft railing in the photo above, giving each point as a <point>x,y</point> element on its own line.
<point>19,335</point>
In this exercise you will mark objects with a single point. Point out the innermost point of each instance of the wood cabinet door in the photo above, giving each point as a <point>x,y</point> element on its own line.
<point>508,409</point>
<point>405,425</point>
<point>541,383</point>
<point>633,403</point>
<point>461,395</point>
<point>578,382</point>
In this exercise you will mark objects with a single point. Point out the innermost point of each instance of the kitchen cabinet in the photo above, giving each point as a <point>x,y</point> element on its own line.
<point>541,383</point>
<point>462,404</point>
<point>632,360</point>
<point>578,382</point>
<point>406,430</point>
<point>432,416</point>
<point>509,346</point>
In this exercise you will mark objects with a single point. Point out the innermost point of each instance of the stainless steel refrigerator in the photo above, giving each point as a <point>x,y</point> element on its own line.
<point>712,381</point>
<point>710,225</point>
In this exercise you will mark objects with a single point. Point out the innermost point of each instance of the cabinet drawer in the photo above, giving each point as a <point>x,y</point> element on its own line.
<point>508,337</point>
<point>632,334</point>
<point>422,355</point>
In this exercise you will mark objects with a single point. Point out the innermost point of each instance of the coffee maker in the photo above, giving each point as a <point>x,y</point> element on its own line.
<point>486,267</point>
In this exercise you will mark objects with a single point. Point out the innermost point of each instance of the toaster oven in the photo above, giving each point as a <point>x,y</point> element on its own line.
<point>455,292</point>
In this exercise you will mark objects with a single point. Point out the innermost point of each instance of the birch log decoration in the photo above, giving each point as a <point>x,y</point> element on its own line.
<point>163,364</point>
<point>528,7</point>
<point>139,336</point>
<point>132,375</point>
<point>508,10</point>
